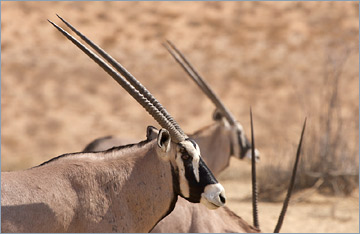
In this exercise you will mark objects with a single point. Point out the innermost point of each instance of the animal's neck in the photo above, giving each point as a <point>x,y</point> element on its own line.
<point>127,194</point>
<point>215,145</point>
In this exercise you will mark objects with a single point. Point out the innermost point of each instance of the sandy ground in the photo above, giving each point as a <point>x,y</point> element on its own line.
<point>270,56</point>
<point>308,212</point>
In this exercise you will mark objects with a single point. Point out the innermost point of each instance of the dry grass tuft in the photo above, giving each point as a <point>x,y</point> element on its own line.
<point>330,154</point>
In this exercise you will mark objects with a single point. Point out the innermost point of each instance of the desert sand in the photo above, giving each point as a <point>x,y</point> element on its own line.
<point>271,56</point>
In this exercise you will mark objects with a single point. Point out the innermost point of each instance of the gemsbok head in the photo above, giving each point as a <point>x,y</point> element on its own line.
<point>124,189</point>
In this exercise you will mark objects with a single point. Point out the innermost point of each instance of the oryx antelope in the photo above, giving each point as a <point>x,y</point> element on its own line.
<point>123,189</point>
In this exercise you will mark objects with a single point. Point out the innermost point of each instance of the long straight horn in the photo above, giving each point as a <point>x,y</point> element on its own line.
<point>180,58</point>
<point>291,185</point>
<point>176,135</point>
<point>253,177</point>
<point>126,74</point>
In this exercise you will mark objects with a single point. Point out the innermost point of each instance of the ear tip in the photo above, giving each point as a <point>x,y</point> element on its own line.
<point>150,127</point>
<point>164,130</point>
<point>217,115</point>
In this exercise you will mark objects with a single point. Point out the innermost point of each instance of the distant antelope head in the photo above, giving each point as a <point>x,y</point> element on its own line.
<point>196,182</point>
<point>240,145</point>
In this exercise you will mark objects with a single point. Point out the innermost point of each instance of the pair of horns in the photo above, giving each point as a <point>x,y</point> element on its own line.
<point>159,113</point>
<point>254,184</point>
<point>129,83</point>
<point>189,69</point>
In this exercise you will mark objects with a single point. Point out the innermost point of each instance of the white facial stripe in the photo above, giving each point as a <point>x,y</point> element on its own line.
<point>196,168</point>
<point>194,152</point>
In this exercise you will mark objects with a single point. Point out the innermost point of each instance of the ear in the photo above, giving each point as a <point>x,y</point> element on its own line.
<point>164,140</point>
<point>217,116</point>
<point>151,133</point>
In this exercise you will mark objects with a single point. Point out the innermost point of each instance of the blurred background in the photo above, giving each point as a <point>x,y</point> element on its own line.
<point>287,60</point>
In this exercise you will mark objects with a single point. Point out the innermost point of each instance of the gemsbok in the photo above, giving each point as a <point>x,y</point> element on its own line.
<point>124,189</point>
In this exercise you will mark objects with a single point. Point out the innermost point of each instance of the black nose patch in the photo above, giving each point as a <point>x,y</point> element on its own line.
<point>197,188</point>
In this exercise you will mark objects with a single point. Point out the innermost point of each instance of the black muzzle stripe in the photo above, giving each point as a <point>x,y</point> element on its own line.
<point>206,178</point>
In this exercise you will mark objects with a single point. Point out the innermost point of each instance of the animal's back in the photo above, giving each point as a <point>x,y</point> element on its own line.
<point>196,218</point>
<point>105,143</point>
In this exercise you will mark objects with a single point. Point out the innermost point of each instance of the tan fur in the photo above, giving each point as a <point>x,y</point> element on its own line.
<point>107,143</point>
<point>108,193</point>
<point>192,218</point>
<point>214,142</point>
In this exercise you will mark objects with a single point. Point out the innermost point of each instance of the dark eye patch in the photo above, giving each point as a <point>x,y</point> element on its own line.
<point>184,154</point>
<point>183,150</point>
<point>185,157</point>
